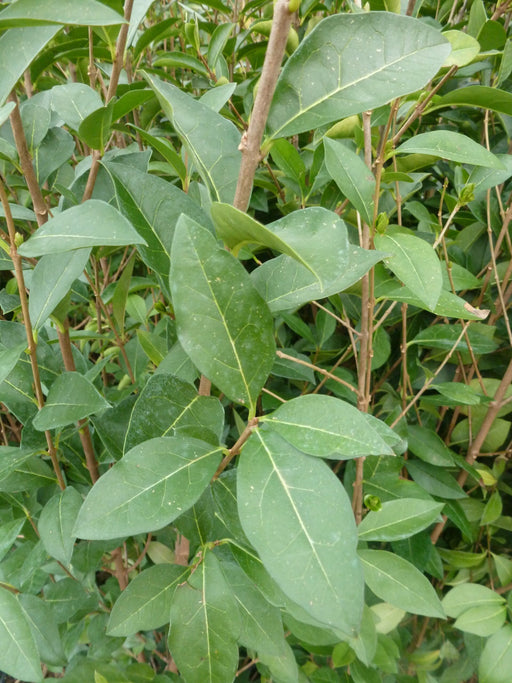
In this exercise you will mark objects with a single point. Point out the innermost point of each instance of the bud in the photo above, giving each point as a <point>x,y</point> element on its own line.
<point>18,239</point>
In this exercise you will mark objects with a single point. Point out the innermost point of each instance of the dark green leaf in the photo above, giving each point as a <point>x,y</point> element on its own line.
<point>435,480</point>
<point>56,524</point>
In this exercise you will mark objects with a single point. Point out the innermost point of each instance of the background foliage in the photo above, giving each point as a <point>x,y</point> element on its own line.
<point>255,370</point>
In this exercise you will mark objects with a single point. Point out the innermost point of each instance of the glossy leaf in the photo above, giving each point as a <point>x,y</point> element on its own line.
<point>448,144</point>
<point>167,404</point>
<point>25,43</point>
<point>496,660</point>
<point>145,603</point>
<point>398,582</point>
<point>91,224</point>
<point>398,519</point>
<point>316,88</point>
<point>415,263</point>
<point>211,140</point>
<point>284,283</point>
<point>18,655</point>
<point>153,207</point>
<point>56,524</point>
<point>291,235</point>
<point>72,397</point>
<point>230,336</point>
<point>51,281</point>
<point>205,625</point>
<point>148,488</point>
<point>352,176</point>
<point>284,494</point>
<point>34,13</point>
<point>327,427</point>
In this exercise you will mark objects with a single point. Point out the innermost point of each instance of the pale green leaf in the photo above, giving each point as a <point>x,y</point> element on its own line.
<point>93,223</point>
<point>211,140</point>
<point>51,281</point>
<point>398,582</point>
<point>145,603</point>
<point>482,620</point>
<point>9,358</point>
<point>19,657</point>
<point>229,336</point>
<point>205,625</point>
<point>327,427</point>
<point>36,13</point>
<point>149,487</point>
<point>496,660</point>
<point>415,263</point>
<point>73,102</point>
<point>467,595</point>
<point>44,628</point>
<point>316,87</point>
<point>56,524</point>
<point>398,519</point>
<point>72,397</point>
<point>464,48</point>
<point>297,515</point>
<point>352,176</point>
<point>292,235</point>
<point>448,144</point>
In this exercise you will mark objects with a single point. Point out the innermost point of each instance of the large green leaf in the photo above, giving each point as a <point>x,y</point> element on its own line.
<point>44,628</point>
<point>398,582</point>
<point>496,660</point>
<point>350,63</point>
<point>72,397</point>
<point>56,524</point>
<point>352,176</point>
<point>18,47</point>
<point>148,488</point>
<point>447,144</point>
<point>145,603</point>
<point>36,13</point>
<point>398,519</point>
<point>229,335</point>
<point>18,655</point>
<point>51,281</point>
<point>292,235</point>
<point>167,404</point>
<point>73,102</point>
<point>205,625</point>
<point>211,140</point>
<point>414,262</point>
<point>285,283</point>
<point>153,207</point>
<point>327,427</point>
<point>297,515</point>
<point>476,96</point>
<point>91,224</point>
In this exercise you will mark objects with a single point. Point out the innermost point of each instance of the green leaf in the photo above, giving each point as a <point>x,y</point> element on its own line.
<point>51,281</point>
<point>414,262</point>
<point>95,129</point>
<point>25,43</point>
<point>145,603</point>
<point>297,515</point>
<point>284,283</point>
<point>205,625</point>
<point>316,87</point>
<point>44,629</point>
<point>398,519</point>
<point>398,582</point>
<point>71,398</point>
<point>56,148</point>
<point>56,524</point>
<point>428,446</point>
<point>19,657</point>
<point>447,144</point>
<point>153,207</point>
<point>327,427</point>
<point>352,176</point>
<point>218,43</point>
<point>461,598</point>
<point>476,96</point>
<point>74,102</point>
<point>9,358</point>
<point>35,13</point>
<point>292,235</point>
<point>434,480</point>
<point>148,488</point>
<point>496,659</point>
<point>230,335</point>
<point>211,140</point>
<point>464,48</point>
<point>5,112</point>
<point>93,223</point>
<point>167,404</point>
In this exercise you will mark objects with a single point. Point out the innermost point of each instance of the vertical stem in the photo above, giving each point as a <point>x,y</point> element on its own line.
<point>32,348</point>
<point>251,140</point>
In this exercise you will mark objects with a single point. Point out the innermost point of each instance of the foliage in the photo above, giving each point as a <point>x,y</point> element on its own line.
<point>255,368</point>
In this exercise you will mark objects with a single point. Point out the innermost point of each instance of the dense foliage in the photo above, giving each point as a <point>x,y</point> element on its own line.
<point>255,368</point>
